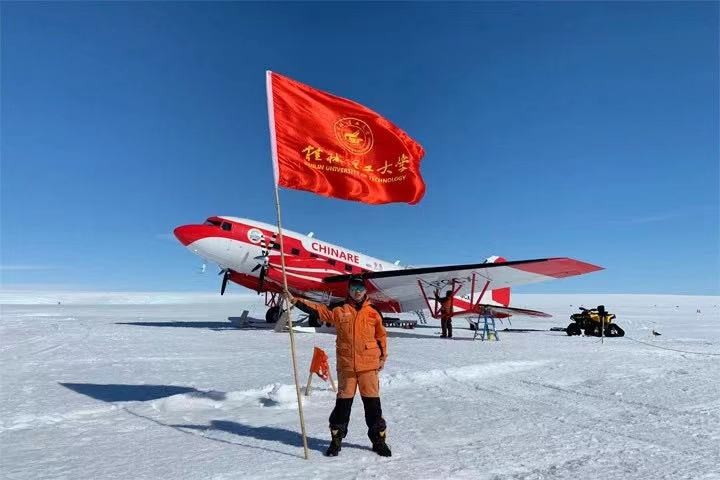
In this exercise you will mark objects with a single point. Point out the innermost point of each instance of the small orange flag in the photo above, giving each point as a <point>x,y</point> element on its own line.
<point>320,364</point>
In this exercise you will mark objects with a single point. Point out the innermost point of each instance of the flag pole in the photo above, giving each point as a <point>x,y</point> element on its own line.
<point>271,118</point>
<point>290,326</point>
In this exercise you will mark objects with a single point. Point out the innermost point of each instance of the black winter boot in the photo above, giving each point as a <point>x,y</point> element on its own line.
<point>339,419</point>
<point>335,443</point>
<point>376,425</point>
<point>379,445</point>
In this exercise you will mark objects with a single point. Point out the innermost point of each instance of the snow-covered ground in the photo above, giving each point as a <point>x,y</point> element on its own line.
<point>162,386</point>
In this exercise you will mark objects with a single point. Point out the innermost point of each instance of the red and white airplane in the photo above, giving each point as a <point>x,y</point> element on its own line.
<point>248,252</point>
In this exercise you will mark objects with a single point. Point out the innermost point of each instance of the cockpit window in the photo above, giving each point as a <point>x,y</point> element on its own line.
<point>226,226</point>
<point>212,222</point>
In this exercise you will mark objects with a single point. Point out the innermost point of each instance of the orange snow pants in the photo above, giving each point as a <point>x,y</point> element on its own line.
<point>367,381</point>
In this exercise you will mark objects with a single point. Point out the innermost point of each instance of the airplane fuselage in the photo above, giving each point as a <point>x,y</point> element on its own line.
<point>250,250</point>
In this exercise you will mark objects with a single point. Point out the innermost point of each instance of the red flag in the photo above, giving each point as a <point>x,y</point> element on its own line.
<point>319,364</point>
<point>338,148</point>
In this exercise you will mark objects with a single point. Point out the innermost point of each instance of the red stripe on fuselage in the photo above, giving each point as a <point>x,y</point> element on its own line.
<point>188,234</point>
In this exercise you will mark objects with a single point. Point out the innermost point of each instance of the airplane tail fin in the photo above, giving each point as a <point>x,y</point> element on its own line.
<point>500,295</point>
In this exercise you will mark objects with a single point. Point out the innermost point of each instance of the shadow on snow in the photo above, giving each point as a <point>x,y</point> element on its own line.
<point>407,334</point>
<point>135,393</point>
<point>271,434</point>
<point>233,323</point>
<point>209,325</point>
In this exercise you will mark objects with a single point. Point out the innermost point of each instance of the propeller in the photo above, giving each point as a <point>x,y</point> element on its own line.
<point>226,276</point>
<point>263,261</point>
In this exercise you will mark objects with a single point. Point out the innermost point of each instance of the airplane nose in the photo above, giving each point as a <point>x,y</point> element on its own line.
<point>187,234</point>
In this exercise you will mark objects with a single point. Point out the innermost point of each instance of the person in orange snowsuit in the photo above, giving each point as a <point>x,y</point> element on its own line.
<point>361,347</point>
<point>446,311</point>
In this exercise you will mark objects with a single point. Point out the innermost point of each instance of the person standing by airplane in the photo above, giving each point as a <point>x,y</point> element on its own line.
<point>361,353</point>
<point>446,311</point>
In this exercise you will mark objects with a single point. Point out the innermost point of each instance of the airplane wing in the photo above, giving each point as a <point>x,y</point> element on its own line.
<point>504,312</point>
<point>402,290</point>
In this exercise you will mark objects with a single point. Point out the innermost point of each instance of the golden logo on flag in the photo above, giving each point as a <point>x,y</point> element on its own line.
<point>354,135</point>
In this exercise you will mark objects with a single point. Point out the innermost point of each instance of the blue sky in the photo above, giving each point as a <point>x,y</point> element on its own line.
<point>557,129</point>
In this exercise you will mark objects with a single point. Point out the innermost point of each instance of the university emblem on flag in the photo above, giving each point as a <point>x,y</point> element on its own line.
<point>354,135</point>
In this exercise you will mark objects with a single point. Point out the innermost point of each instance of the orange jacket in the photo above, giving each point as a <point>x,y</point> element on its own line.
<point>446,306</point>
<point>361,341</point>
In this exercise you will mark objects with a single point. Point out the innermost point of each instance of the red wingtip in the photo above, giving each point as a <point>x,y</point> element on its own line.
<point>559,267</point>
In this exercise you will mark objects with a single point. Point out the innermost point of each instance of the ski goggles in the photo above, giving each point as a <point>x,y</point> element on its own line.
<point>357,288</point>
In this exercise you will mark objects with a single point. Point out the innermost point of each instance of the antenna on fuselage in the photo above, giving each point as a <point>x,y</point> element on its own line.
<point>311,234</point>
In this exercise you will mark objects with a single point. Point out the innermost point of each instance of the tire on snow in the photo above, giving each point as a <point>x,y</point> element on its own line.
<point>593,331</point>
<point>573,329</point>
<point>613,330</point>
<point>273,314</point>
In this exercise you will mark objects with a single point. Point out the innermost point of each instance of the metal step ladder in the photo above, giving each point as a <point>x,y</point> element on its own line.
<point>487,331</point>
<point>421,317</point>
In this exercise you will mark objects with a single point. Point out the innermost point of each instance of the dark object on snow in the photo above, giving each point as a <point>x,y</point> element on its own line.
<point>398,323</point>
<point>523,330</point>
<point>656,333</point>
<point>591,321</point>
<point>573,329</point>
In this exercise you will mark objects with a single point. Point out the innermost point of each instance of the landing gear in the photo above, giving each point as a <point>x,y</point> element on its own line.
<point>273,314</point>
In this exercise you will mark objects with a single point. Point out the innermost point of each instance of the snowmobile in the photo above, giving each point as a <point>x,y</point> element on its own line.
<point>591,322</point>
